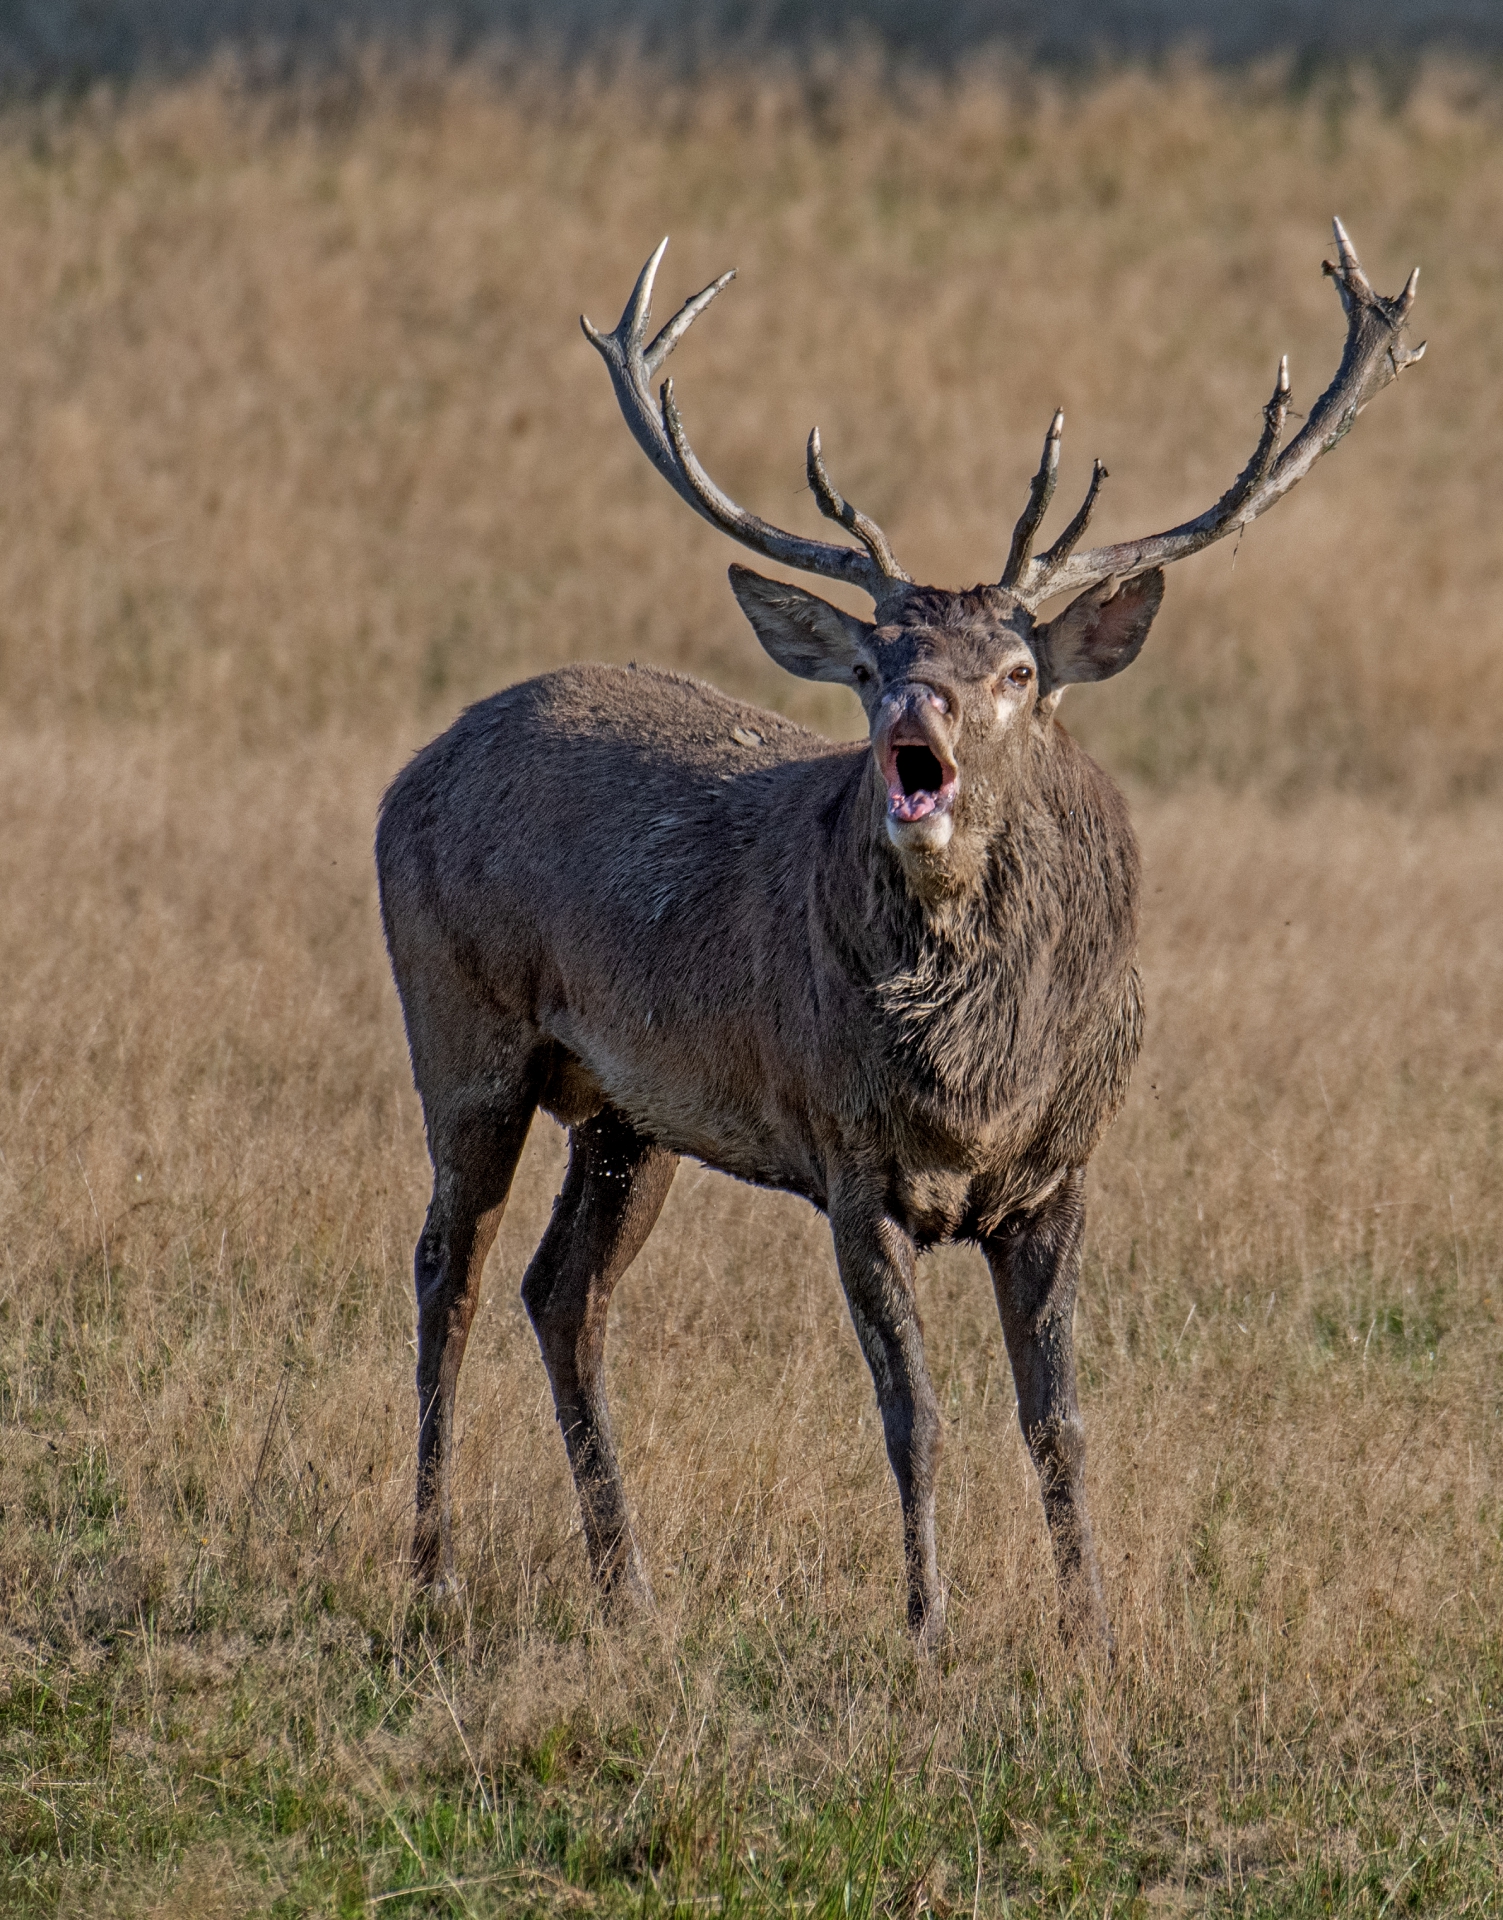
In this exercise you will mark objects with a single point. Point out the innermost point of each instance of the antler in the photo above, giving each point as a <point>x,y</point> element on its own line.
<point>1374,354</point>
<point>659,432</point>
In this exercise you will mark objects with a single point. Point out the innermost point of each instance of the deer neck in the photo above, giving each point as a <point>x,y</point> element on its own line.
<point>949,888</point>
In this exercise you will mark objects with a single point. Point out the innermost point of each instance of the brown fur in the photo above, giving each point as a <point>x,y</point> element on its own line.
<point>683,926</point>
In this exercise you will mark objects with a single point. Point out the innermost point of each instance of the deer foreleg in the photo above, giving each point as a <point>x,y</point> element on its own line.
<point>876,1259</point>
<point>1035,1267</point>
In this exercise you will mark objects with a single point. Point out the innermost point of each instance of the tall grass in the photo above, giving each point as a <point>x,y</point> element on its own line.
<point>305,450</point>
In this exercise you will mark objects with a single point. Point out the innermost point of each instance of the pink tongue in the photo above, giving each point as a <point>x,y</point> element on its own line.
<point>911,806</point>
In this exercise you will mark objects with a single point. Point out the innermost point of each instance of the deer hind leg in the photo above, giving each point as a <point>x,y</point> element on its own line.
<point>611,1197</point>
<point>1035,1267</point>
<point>475,1146</point>
<point>876,1260</point>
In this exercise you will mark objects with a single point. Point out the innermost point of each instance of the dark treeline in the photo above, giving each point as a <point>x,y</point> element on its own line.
<point>52,45</point>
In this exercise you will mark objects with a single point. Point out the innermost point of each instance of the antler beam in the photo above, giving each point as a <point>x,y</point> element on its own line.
<point>659,432</point>
<point>1374,355</point>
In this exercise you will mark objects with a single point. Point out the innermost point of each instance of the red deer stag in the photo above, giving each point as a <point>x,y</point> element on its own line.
<point>897,979</point>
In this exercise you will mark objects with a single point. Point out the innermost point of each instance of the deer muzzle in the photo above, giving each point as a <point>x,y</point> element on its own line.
<point>912,749</point>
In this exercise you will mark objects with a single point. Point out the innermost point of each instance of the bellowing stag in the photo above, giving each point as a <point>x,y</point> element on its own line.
<point>896,979</point>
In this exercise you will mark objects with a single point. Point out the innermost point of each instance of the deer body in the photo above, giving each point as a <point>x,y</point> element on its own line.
<point>727,953</point>
<point>896,979</point>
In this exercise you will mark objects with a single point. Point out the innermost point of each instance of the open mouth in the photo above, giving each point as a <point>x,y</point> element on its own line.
<point>918,781</point>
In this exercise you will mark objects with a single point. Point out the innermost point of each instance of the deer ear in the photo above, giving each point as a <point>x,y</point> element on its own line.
<point>1100,633</point>
<point>802,632</point>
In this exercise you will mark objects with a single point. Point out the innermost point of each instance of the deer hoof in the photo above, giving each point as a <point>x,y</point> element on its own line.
<point>928,1627</point>
<point>627,1594</point>
<point>1088,1634</point>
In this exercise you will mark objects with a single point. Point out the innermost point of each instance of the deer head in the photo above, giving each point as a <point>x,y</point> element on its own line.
<point>957,684</point>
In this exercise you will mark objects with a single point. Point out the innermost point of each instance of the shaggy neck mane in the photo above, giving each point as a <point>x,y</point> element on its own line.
<point>977,990</point>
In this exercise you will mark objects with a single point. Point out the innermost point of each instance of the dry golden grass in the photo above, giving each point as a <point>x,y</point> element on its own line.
<point>305,449</point>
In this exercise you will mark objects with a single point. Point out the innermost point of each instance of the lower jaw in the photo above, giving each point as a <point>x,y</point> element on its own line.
<point>931,834</point>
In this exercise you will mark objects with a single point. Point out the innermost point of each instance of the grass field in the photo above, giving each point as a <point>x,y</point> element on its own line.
<point>305,450</point>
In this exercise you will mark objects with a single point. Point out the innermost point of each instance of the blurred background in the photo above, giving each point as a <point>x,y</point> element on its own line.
<point>297,374</point>
<point>47,45</point>
<point>303,450</point>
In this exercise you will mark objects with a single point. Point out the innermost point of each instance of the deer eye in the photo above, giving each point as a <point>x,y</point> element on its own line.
<point>1020,676</point>
<point>861,675</point>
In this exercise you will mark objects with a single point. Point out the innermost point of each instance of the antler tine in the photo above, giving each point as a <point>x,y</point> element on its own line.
<point>657,429</point>
<point>665,341</point>
<point>1040,493</point>
<point>638,309</point>
<point>835,507</point>
<point>1373,355</point>
<point>1048,564</point>
<point>1348,270</point>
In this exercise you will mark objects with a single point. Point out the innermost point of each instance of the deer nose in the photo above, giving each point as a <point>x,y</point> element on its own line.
<point>915,698</point>
<point>915,713</point>
<point>926,695</point>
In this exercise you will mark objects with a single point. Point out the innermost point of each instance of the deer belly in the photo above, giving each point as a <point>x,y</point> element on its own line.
<point>686,1093</point>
